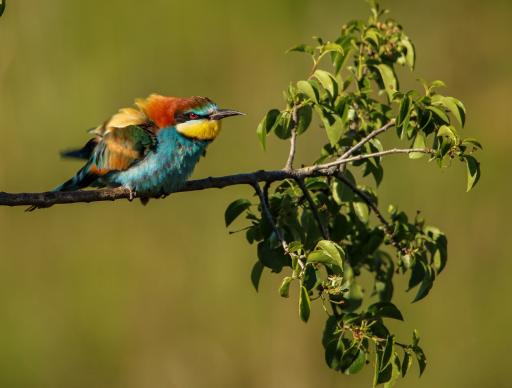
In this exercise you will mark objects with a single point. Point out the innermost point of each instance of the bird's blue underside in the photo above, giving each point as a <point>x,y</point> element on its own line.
<point>164,169</point>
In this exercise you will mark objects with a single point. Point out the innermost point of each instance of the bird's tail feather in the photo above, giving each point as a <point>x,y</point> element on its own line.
<point>81,179</point>
<point>81,153</point>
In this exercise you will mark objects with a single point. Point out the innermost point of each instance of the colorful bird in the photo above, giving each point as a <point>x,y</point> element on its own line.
<point>151,149</point>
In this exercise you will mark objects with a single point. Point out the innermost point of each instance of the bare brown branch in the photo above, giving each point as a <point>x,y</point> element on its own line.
<point>50,198</point>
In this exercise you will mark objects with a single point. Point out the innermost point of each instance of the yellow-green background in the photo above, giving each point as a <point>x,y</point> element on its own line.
<point>120,295</point>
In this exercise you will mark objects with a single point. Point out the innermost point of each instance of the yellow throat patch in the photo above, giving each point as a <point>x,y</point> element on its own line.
<point>200,129</point>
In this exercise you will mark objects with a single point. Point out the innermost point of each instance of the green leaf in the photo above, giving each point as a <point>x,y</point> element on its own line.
<point>333,125</point>
<point>335,130</point>
<point>362,211</point>
<point>410,57</point>
<point>470,141</point>
<point>327,252</point>
<point>415,337</point>
<point>320,257</point>
<point>437,84</point>
<point>332,47</point>
<point>406,363</point>
<point>420,357</point>
<point>283,125</point>
<point>309,279</point>
<point>340,60</point>
<point>388,78</point>
<point>304,304</point>
<point>302,48</point>
<point>417,274</point>
<point>341,191</point>
<point>256,272</point>
<point>395,372</point>
<point>327,81</point>
<point>304,116</point>
<point>387,355</point>
<point>374,36</point>
<point>426,285</point>
<point>306,88</point>
<point>404,113</point>
<point>285,287</point>
<point>448,131</point>
<point>234,209</point>
<point>419,142</point>
<point>2,6</point>
<point>266,125</point>
<point>357,364</point>
<point>439,113</point>
<point>385,310</point>
<point>295,246</point>
<point>382,376</point>
<point>473,170</point>
<point>456,107</point>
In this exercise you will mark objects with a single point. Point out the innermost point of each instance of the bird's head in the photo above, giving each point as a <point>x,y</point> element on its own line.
<point>194,117</point>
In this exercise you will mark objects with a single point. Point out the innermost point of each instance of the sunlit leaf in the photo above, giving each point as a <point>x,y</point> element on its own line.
<point>327,252</point>
<point>453,105</point>
<point>419,142</point>
<point>388,78</point>
<point>327,81</point>
<point>308,90</point>
<point>439,113</point>
<point>332,47</point>
<point>362,211</point>
<point>410,56</point>
<point>285,287</point>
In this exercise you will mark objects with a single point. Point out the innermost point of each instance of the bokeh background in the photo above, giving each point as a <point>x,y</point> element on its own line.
<point>120,295</point>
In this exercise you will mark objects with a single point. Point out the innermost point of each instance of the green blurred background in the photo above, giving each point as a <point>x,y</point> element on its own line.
<point>120,295</point>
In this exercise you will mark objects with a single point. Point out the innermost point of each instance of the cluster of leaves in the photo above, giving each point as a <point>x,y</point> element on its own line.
<point>320,230</point>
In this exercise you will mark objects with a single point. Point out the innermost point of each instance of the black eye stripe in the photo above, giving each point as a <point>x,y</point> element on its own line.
<point>183,117</point>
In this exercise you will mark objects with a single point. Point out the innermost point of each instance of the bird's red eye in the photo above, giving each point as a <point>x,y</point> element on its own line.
<point>193,116</point>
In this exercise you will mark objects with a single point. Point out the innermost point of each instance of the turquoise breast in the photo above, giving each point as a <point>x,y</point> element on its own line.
<point>164,169</point>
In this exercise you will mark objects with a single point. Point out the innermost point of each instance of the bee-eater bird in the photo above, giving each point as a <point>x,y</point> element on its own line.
<point>151,149</point>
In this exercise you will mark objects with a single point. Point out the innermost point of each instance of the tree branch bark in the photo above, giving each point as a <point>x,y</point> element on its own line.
<point>46,199</point>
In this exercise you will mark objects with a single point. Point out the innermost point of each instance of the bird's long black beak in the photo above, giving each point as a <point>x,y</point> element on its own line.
<point>223,113</point>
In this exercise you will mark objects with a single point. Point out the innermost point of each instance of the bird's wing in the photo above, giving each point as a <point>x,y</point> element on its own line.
<point>120,148</point>
<point>120,142</point>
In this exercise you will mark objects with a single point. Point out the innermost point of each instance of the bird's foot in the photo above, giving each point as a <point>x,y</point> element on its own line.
<point>132,194</point>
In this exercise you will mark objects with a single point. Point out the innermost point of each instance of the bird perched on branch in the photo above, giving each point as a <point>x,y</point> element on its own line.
<point>151,149</point>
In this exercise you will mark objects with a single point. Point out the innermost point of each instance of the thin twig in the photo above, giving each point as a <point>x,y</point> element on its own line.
<point>266,211</point>
<point>314,209</point>
<point>388,229</point>
<point>340,161</point>
<point>293,140</point>
<point>366,139</point>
